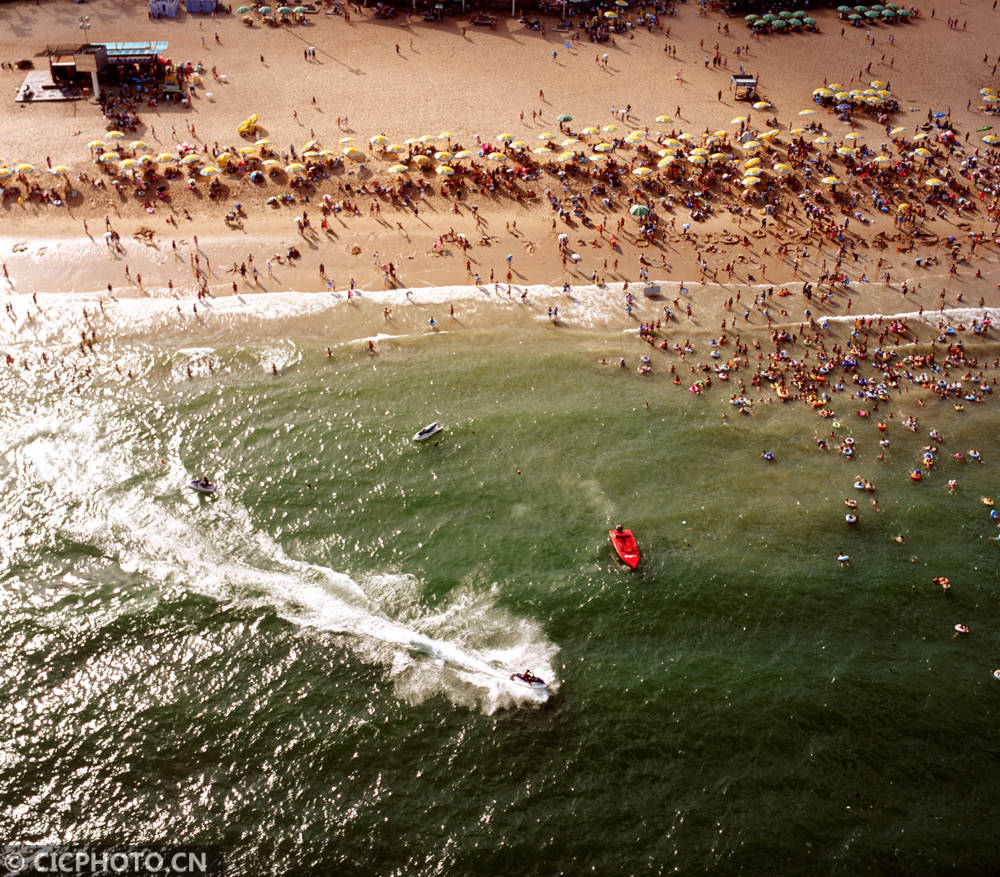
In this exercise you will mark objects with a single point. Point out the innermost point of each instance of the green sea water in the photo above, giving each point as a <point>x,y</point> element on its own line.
<point>311,668</point>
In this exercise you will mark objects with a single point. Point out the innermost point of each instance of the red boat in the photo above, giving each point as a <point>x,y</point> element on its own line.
<point>625,545</point>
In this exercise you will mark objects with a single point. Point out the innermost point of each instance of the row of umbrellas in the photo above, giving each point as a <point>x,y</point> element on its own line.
<point>267,10</point>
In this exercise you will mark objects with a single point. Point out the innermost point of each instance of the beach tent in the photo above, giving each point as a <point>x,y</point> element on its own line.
<point>164,8</point>
<point>205,6</point>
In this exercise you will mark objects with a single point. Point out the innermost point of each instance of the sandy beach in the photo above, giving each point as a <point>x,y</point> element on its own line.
<point>406,78</point>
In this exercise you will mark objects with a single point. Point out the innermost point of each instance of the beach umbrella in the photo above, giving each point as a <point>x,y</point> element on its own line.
<point>462,153</point>
<point>546,136</point>
<point>139,144</point>
<point>497,156</point>
<point>59,170</point>
<point>663,153</point>
<point>843,9</point>
<point>343,141</point>
<point>568,142</point>
<point>5,172</point>
<point>166,156</point>
<point>243,10</point>
<point>854,17</point>
<point>750,144</point>
<point>96,144</point>
<point>445,135</point>
<point>933,182</point>
<point>845,150</point>
<point>783,169</point>
<point>294,168</point>
<point>284,10</point>
<point>541,150</point>
<point>823,140</point>
<point>823,91</point>
<point>610,128</point>
<point>752,17</point>
<point>719,156</point>
<point>224,157</point>
<point>923,152</point>
<point>395,148</point>
<point>853,135</point>
<point>398,169</point>
<point>761,105</point>
<point>770,16</point>
<point>685,136</point>
<point>666,161</point>
<point>564,117</point>
<point>190,159</point>
<point>664,120</point>
<point>591,129</point>
<point>312,153</point>
<point>781,22</point>
<point>810,21</point>
<point>769,135</point>
<point>565,156</point>
<point>443,170</point>
<point>262,142</point>
<point>421,159</point>
<point>128,164</point>
<point>603,147</point>
<point>882,159</point>
<point>265,10</point>
<point>992,139</point>
<point>638,210</point>
<point>830,181</point>
<point>747,182</point>
<point>505,137</point>
<point>902,208</point>
<point>899,129</point>
<point>354,152</point>
<point>114,135</point>
<point>109,156</point>
<point>443,156</point>
<point>146,159</point>
<point>635,137</point>
<point>872,14</point>
<point>300,10</point>
<point>697,159</point>
<point>797,131</point>
<point>785,13</point>
<point>806,112</point>
<point>751,162</point>
<point>754,171</point>
<point>209,171</point>
<point>611,14</point>
<point>982,128</point>
<point>271,163</point>
<point>700,150</point>
<point>247,150</point>
<point>25,168</point>
<point>642,171</point>
<point>739,120</point>
<point>326,153</point>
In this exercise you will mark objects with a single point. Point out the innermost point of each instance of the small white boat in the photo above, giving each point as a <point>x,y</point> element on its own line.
<point>203,485</point>
<point>427,432</point>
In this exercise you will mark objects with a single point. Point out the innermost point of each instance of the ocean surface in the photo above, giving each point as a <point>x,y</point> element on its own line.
<point>311,668</point>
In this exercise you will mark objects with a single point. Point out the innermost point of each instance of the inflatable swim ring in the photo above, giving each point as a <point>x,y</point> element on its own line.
<point>916,475</point>
<point>996,674</point>
<point>986,500</point>
<point>851,519</point>
<point>851,503</point>
<point>961,629</point>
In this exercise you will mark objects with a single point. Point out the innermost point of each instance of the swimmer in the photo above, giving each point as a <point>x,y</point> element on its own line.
<point>961,629</point>
<point>844,559</point>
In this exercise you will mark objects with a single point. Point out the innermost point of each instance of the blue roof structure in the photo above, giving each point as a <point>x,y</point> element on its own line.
<point>123,53</point>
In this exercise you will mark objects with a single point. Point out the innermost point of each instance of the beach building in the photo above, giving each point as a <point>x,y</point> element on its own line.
<point>164,8</point>
<point>205,7</point>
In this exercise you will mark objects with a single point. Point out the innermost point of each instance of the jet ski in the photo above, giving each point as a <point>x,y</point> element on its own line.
<point>203,485</point>
<point>530,679</point>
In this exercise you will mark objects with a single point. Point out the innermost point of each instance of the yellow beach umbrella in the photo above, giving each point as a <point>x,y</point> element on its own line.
<point>739,120</point>
<point>294,168</point>
<point>902,208</point>
<point>783,169</point>
<point>395,148</point>
<point>271,163</point>
<point>139,144</point>
<point>247,150</point>
<point>546,135</point>
<point>398,169</point>
<point>933,182</point>
<point>609,128</point>
<point>591,129</point>
<point>59,170</point>
<point>312,154</point>
<point>845,150</point>
<point>262,142</point>
<point>462,153</point>
<point>166,156</point>
<point>882,159</point>
<point>719,156</point>
<point>923,152</point>
<point>877,83</point>
<point>517,144</point>
<point>666,161</point>
<point>566,156</point>
<point>823,92</point>
<point>899,129</point>
<point>445,135</point>
<point>109,156</point>
<point>5,172</point>
<point>642,171</point>
<point>750,144</point>
<point>190,159</point>
<point>769,135</point>
<point>25,168</point>
<point>603,147</point>
<point>698,159</point>
<point>443,155</point>
<point>797,131</point>
<point>497,156</point>
<point>505,137</point>
<point>761,105</point>
<point>751,162</point>
<point>378,139</point>
<point>754,171</point>
<point>114,135</point>
<point>750,181</point>
<point>664,120</point>
<point>541,150</point>
<point>824,140</point>
<point>685,136</point>
<point>568,142</point>
<point>210,171</point>
<point>353,152</point>
<point>421,159</point>
<point>807,112</point>
<point>636,137</point>
<point>991,139</point>
<point>128,164</point>
<point>921,136</point>
<point>699,150</point>
<point>830,181</point>
<point>426,138</point>
<point>96,144</point>
<point>853,135</point>
<point>443,170</point>
<point>312,144</point>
